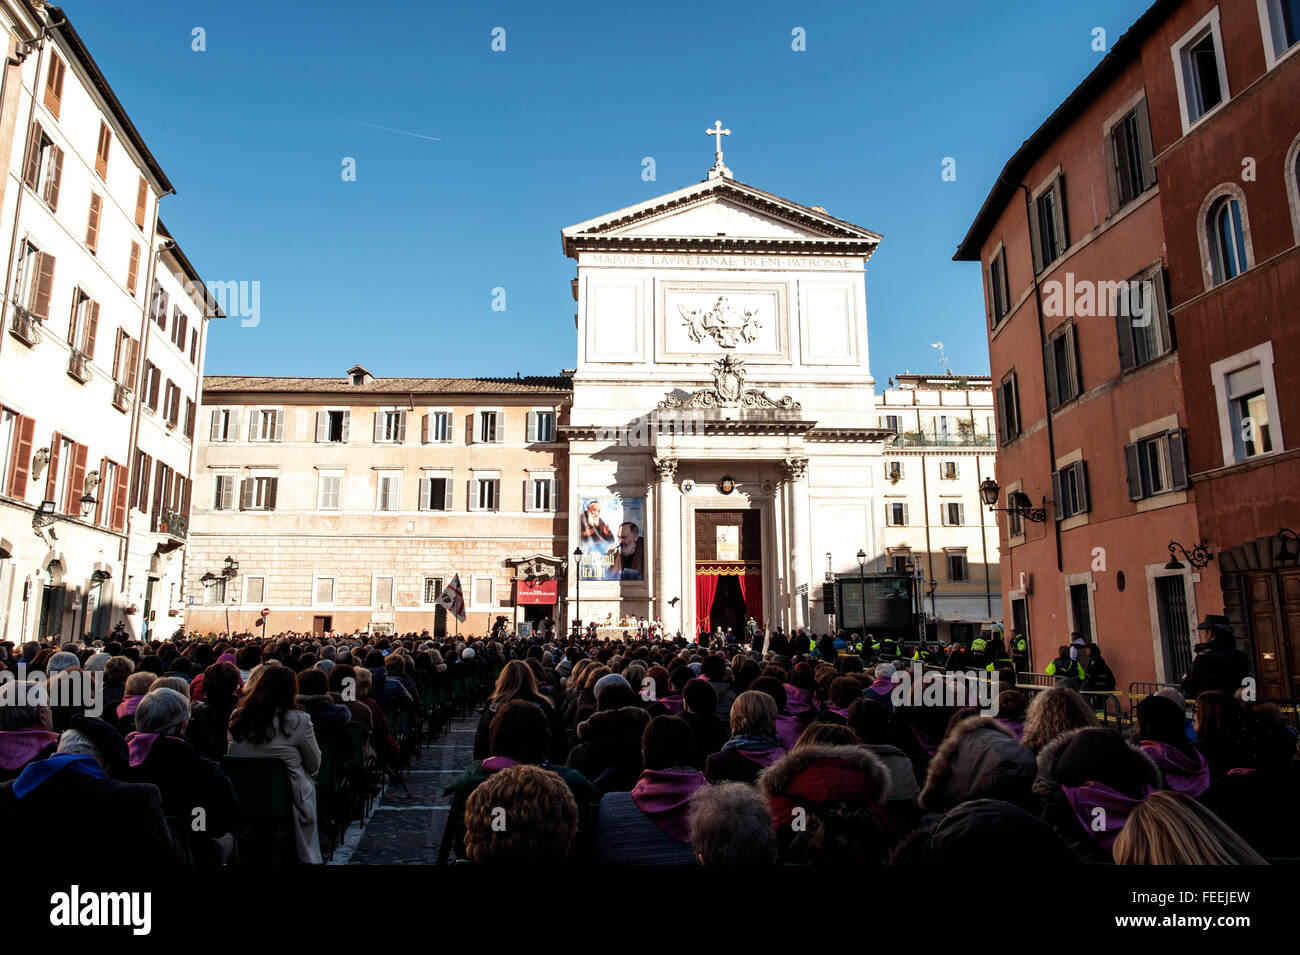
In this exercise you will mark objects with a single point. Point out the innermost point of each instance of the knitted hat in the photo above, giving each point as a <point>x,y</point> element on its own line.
<point>608,680</point>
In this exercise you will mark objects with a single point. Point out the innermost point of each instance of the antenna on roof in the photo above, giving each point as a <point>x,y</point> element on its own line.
<point>943,359</point>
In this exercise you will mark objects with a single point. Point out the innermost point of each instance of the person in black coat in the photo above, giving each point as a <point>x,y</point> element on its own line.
<point>700,711</point>
<point>130,829</point>
<point>1219,665</point>
<point>609,743</point>
<point>158,753</point>
<point>329,720</point>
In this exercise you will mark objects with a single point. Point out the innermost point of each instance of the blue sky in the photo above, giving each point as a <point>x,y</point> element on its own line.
<point>396,269</point>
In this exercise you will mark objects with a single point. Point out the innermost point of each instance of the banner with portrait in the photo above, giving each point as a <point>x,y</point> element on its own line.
<point>611,536</point>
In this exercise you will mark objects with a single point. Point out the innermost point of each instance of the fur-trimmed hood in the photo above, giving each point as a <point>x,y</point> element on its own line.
<point>1047,782</point>
<point>979,759</point>
<point>822,773</point>
<point>625,719</point>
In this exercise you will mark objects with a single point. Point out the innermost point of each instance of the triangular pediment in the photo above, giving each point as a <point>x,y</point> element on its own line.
<point>718,213</point>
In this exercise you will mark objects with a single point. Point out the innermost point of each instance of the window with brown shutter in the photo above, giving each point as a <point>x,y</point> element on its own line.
<point>133,268</point>
<point>102,505</point>
<point>20,467</point>
<point>32,159</point>
<point>40,303</point>
<point>118,519</point>
<point>54,85</point>
<point>92,329</point>
<point>52,469</point>
<point>101,150</point>
<point>141,200</point>
<point>92,221</point>
<point>76,481</point>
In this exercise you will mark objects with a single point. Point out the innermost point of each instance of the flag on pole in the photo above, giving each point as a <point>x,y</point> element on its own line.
<point>453,600</point>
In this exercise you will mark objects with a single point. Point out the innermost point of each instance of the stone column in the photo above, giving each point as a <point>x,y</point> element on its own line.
<point>667,546</point>
<point>796,480</point>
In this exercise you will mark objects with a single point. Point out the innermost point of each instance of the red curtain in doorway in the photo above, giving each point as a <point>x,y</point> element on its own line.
<point>751,588</point>
<point>706,586</point>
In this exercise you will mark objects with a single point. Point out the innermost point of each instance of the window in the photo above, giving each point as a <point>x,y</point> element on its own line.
<point>54,85</point>
<point>224,424</point>
<point>214,591</point>
<point>390,491</point>
<point>390,427</point>
<point>1015,520</point>
<point>323,591</point>
<point>383,592</point>
<point>140,481</point>
<point>900,562</point>
<point>17,436</point>
<point>1156,464</point>
<point>141,202</point>
<point>333,426</point>
<point>541,426</point>
<point>84,324</point>
<point>190,409</point>
<point>223,492</point>
<point>172,404</point>
<point>258,493</point>
<point>133,268</point>
<point>436,428</point>
<point>1060,358</point>
<point>254,590</point>
<point>43,169</point>
<point>999,296</point>
<point>1048,235</point>
<point>890,421</point>
<point>489,427</point>
<point>1281,22</point>
<point>180,324</point>
<point>894,471</point>
<point>111,509</point>
<point>152,385</point>
<point>1070,490</point>
<point>92,222</point>
<point>194,345</point>
<point>435,493</point>
<point>1226,239</point>
<point>484,494</point>
<point>948,470</point>
<point>1142,320</point>
<point>1248,404</point>
<point>541,494</point>
<point>101,150</point>
<point>1008,405</point>
<point>34,282</point>
<point>1130,151</point>
<point>266,424</point>
<point>954,514</point>
<point>483,590</point>
<point>957,568</point>
<point>330,495</point>
<point>1081,611</point>
<point>125,357</point>
<point>65,475</point>
<point>158,301</point>
<point>432,589</point>
<point>1203,81</point>
<point>896,513</point>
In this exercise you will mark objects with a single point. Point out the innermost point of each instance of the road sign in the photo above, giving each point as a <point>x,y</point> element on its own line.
<point>266,611</point>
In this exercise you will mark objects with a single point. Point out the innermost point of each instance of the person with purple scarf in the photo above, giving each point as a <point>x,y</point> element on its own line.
<point>753,745</point>
<point>1088,782</point>
<point>651,824</point>
<point>26,727</point>
<point>1162,734</point>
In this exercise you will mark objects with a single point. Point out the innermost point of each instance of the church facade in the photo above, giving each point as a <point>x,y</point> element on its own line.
<point>722,392</point>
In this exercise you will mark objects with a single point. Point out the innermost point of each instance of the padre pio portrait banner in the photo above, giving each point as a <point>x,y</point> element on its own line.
<point>611,534</point>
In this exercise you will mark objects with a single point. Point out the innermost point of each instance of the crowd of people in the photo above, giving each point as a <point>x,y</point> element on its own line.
<point>651,752</point>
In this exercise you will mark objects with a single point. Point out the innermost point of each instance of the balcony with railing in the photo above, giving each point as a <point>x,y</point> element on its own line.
<point>25,326</point>
<point>121,396</point>
<point>78,366</point>
<point>931,439</point>
<point>175,524</point>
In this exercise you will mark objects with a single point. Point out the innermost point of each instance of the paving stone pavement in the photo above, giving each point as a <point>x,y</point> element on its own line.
<point>406,828</point>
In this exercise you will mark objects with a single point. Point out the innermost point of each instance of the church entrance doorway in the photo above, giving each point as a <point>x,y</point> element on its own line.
<point>728,570</point>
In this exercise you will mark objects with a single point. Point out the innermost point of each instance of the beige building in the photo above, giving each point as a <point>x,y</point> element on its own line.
<point>933,520</point>
<point>349,503</point>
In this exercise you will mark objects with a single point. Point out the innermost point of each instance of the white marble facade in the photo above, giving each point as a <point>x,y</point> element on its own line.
<point>722,332</point>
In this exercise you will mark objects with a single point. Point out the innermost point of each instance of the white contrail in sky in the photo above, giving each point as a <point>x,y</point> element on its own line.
<point>387,129</point>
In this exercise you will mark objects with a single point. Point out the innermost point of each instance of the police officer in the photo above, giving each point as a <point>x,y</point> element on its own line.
<point>1020,653</point>
<point>977,648</point>
<point>1066,668</point>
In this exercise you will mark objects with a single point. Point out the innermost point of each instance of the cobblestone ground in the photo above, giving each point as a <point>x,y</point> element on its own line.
<point>406,829</point>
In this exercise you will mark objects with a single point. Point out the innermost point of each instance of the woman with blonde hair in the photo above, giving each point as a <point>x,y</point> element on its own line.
<point>1172,829</point>
<point>1052,713</point>
<point>753,746</point>
<point>516,682</point>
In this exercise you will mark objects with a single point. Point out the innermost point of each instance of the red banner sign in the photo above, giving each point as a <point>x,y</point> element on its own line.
<point>535,591</point>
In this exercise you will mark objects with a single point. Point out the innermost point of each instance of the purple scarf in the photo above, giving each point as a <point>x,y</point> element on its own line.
<point>928,747</point>
<point>763,751</point>
<point>882,688</point>
<point>798,702</point>
<point>1184,774</point>
<point>139,745</point>
<point>20,747</point>
<point>787,730</point>
<point>494,764</point>
<point>664,795</point>
<point>129,705</point>
<point>1016,726</point>
<point>1091,795</point>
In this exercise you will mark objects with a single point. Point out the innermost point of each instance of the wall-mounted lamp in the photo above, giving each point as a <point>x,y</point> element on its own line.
<point>1018,502</point>
<point>1198,556</point>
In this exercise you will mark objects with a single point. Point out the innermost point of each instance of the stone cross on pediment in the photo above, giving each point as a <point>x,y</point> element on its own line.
<point>717,132</point>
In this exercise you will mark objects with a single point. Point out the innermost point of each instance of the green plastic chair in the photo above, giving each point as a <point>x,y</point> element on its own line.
<point>264,795</point>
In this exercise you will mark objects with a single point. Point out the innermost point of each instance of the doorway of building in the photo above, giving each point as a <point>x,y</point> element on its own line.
<point>728,610</point>
<point>52,596</point>
<point>322,624</point>
<point>728,570</point>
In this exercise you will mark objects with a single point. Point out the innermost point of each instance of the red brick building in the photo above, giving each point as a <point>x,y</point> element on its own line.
<point>1135,302</point>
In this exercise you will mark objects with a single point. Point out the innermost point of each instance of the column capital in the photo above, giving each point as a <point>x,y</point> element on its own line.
<point>666,468</point>
<point>796,469</point>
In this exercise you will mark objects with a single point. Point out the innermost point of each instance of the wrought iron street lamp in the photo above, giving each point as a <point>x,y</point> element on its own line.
<point>1018,502</point>
<point>577,591</point>
<point>1198,557</point>
<point>862,592</point>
